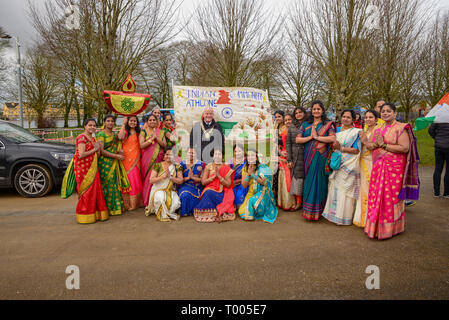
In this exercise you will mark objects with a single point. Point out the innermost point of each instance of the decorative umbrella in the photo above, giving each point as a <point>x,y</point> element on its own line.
<point>439,114</point>
<point>127,102</point>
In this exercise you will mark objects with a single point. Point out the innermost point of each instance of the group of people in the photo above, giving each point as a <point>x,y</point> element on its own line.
<point>349,175</point>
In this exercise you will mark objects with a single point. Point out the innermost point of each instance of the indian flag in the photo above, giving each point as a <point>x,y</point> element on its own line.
<point>439,114</point>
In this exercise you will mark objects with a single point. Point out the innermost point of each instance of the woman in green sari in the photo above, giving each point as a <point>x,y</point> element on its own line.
<point>114,179</point>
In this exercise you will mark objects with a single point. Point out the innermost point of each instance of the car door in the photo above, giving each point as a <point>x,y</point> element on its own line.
<point>3,179</point>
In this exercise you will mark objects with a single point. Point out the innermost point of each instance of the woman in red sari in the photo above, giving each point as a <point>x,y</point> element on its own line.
<point>217,200</point>
<point>91,204</point>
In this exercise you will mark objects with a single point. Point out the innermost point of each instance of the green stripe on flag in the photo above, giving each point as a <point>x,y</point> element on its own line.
<point>423,123</point>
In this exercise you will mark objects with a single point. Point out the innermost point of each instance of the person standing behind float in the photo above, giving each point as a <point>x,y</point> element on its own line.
<point>190,191</point>
<point>113,175</point>
<point>261,205</point>
<point>206,136</point>
<point>344,183</point>
<point>366,165</point>
<point>394,177</point>
<point>129,134</point>
<point>279,127</point>
<point>152,144</point>
<point>318,134</point>
<point>285,200</point>
<point>164,200</point>
<point>169,131</point>
<point>238,164</point>
<point>91,205</point>
<point>295,156</point>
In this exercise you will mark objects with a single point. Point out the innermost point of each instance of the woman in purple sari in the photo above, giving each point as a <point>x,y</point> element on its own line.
<point>152,144</point>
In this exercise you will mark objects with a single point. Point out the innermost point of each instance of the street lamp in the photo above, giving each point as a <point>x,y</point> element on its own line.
<point>6,36</point>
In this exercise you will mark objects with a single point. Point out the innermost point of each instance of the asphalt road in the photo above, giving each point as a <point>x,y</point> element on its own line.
<point>137,257</point>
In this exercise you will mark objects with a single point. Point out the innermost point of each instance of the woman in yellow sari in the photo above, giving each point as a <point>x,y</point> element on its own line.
<point>366,165</point>
<point>114,179</point>
<point>164,200</point>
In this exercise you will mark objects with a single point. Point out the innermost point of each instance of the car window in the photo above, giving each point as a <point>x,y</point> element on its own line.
<point>17,134</point>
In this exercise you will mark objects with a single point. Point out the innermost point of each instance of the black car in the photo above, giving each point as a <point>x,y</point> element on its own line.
<point>30,164</point>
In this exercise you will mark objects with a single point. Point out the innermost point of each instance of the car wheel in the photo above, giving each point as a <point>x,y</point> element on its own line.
<point>33,181</point>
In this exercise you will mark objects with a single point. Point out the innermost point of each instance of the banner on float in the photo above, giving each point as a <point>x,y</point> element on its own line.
<point>242,112</point>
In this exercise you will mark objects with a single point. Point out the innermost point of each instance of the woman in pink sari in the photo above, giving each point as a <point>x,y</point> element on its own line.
<point>394,177</point>
<point>152,144</point>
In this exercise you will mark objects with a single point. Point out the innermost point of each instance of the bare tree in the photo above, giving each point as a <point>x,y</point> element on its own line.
<point>434,59</point>
<point>410,93</point>
<point>300,79</point>
<point>231,36</point>
<point>335,35</point>
<point>400,28</point>
<point>113,38</point>
<point>39,82</point>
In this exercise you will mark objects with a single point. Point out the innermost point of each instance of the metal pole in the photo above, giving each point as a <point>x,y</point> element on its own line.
<point>20,81</point>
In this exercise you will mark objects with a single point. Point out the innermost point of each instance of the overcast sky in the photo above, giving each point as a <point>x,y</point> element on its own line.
<point>14,18</point>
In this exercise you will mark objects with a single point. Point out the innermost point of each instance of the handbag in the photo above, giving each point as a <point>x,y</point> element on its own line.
<point>335,162</point>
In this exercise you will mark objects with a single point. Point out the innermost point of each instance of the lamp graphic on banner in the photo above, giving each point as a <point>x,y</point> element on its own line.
<point>127,102</point>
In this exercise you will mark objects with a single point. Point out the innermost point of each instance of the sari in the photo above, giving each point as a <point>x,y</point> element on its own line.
<point>262,205</point>
<point>394,179</point>
<point>252,186</point>
<point>239,191</point>
<point>91,205</point>
<point>190,191</point>
<point>171,131</point>
<point>164,200</point>
<point>114,179</point>
<point>366,165</point>
<point>344,183</point>
<point>286,201</point>
<point>131,152</point>
<point>150,155</point>
<point>317,170</point>
<point>216,201</point>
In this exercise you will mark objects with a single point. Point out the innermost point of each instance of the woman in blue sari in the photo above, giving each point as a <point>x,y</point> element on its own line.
<point>261,205</point>
<point>317,134</point>
<point>238,163</point>
<point>190,191</point>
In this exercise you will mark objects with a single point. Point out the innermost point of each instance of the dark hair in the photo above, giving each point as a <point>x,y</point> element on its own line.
<point>373,112</point>
<point>86,122</point>
<point>280,112</point>
<point>257,157</point>
<point>164,116</point>
<point>108,116</point>
<point>145,118</point>
<point>358,114</point>
<point>296,121</point>
<point>168,148</point>
<point>352,112</point>
<point>238,145</point>
<point>128,128</point>
<point>389,104</point>
<point>379,100</point>
<point>151,115</point>
<point>321,104</point>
